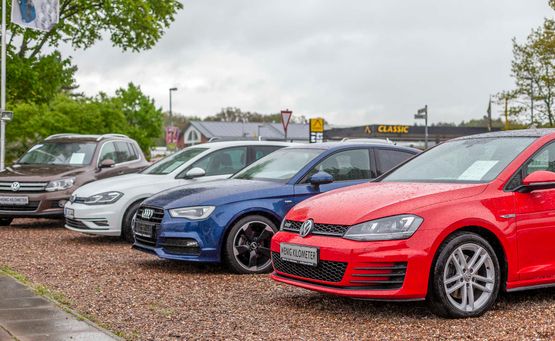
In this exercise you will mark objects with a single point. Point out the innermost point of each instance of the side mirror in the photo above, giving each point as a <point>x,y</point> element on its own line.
<point>321,178</point>
<point>194,173</point>
<point>108,163</point>
<point>537,181</point>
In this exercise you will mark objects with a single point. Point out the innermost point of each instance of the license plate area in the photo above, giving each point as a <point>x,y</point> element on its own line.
<point>306,255</point>
<point>144,229</point>
<point>14,201</point>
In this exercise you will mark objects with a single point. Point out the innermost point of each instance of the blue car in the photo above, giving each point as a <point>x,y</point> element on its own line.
<point>233,220</point>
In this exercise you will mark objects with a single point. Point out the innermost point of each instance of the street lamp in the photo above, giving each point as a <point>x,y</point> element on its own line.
<point>171,112</point>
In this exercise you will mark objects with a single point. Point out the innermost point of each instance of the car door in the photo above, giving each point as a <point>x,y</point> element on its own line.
<point>348,167</point>
<point>220,164</point>
<point>126,157</point>
<point>535,219</point>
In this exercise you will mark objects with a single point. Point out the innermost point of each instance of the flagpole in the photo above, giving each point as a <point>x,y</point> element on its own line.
<point>3,90</point>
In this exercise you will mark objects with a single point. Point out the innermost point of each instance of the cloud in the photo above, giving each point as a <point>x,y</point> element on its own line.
<point>353,62</point>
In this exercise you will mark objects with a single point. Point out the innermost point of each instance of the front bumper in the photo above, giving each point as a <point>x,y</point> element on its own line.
<point>385,270</point>
<point>41,205</point>
<point>102,220</point>
<point>182,240</point>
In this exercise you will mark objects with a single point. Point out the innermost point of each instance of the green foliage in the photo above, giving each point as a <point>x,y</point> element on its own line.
<point>131,25</point>
<point>129,112</point>
<point>230,114</point>
<point>38,80</point>
<point>533,69</point>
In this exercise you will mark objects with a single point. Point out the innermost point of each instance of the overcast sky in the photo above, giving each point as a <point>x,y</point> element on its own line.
<point>352,62</point>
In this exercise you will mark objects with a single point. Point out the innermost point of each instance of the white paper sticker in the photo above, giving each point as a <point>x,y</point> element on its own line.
<point>477,170</point>
<point>77,159</point>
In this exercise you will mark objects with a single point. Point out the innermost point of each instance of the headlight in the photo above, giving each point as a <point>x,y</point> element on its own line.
<point>60,185</point>
<point>193,213</point>
<point>103,198</point>
<point>390,228</point>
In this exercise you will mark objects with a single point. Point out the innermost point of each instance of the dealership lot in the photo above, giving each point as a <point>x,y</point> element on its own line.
<point>145,298</point>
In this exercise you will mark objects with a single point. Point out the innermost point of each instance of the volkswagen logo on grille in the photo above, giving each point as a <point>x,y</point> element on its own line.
<point>306,228</point>
<point>148,213</point>
<point>16,186</point>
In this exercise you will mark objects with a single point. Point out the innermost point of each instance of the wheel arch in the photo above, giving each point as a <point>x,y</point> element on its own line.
<point>272,216</point>
<point>132,202</point>
<point>490,236</point>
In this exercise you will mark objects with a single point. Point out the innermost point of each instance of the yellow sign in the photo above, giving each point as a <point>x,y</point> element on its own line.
<point>386,129</point>
<point>368,130</point>
<point>316,125</point>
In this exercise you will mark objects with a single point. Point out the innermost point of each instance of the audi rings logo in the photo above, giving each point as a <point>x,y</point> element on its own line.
<point>306,228</point>
<point>147,214</point>
<point>16,186</point>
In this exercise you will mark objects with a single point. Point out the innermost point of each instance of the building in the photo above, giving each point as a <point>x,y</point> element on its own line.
<point>204,131</point>
<point>404,134</point>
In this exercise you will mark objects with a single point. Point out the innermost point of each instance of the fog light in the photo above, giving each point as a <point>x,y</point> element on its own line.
<point>191,243</point>
<point>62,203</point>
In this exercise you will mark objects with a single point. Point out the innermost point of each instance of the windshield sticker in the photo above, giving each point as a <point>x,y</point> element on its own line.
<point>77,159</point>
<point>477,170</point>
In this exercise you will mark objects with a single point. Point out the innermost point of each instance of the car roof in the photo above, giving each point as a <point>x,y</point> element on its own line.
<point>225,144</point>
<point>86,138</point>
<point>511,133</point>
<point>347,144</point>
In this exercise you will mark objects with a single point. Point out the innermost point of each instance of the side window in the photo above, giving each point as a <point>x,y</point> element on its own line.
<point>544,160</point>
<point>225,161</point>
<point>344,166</point>
<point>260,151</point>
<point>125,152</point>
<point>389,158</point>
<point>108,152</point>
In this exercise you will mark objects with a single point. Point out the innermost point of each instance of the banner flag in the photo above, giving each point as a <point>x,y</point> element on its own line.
<point>39,15</point>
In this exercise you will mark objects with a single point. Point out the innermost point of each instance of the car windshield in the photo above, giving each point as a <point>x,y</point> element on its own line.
<point>280,166</point>
<point>60,153</point>
<point>476,160</point>
<point>173,162</point>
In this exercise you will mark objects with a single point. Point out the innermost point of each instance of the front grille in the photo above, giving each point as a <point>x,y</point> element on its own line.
<point>23,186</point>
<point>325,271</point>
<point>30,207</point>
<point>381,276</point>
<point>152,221</point>
<point>319,229</point>
<point>76,224</point>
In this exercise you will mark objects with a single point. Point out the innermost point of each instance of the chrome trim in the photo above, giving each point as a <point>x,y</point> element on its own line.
<point>23,186</point>
<point>532,287</point>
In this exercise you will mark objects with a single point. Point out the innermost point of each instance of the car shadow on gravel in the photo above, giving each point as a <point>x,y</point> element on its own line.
<point>176,267</point>
<point>37,224</point>
<point>347,306</point>
<point>83,239</point>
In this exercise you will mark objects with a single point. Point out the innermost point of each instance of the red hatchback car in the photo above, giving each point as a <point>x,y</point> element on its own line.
<point>454,225</point>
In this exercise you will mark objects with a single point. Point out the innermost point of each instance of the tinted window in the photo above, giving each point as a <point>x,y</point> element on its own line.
<point>109,152</point>
<point>225,161</point>
<point>344,166</point>
<point>388,158</point>
<point>261,151</point>
<point>174,161</point>
<point>125,152</point>
<point>59,153</point>
<point>544,160</point>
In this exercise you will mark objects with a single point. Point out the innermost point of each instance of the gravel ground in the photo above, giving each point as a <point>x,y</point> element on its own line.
<point>150,299</point>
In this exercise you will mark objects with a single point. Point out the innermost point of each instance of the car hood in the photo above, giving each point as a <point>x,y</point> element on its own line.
<point>42,173</point>
<point>376,200</point>
<point>124,183</point>
<point>217,193</point>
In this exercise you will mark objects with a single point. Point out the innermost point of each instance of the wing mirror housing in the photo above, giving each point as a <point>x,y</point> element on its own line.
<point>108,163</point>
<point>321,178</point>
<point>194,173</point>
<point>537,181</point>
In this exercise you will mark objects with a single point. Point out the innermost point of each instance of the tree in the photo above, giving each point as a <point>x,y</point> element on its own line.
<point>231,114</point>
<point>533,69</point>
<point>131,25</point>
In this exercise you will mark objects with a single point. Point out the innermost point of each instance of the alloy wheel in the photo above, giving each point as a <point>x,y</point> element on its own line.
<point>469,277</point>
<point>251,246</point>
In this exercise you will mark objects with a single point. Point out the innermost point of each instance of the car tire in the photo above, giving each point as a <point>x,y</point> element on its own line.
<point>465,278</point>
<point>127,223</point>
<point>247,247</point>
<point>5,221</point>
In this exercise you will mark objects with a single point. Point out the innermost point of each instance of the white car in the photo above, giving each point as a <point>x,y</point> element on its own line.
<point>107,207</point>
